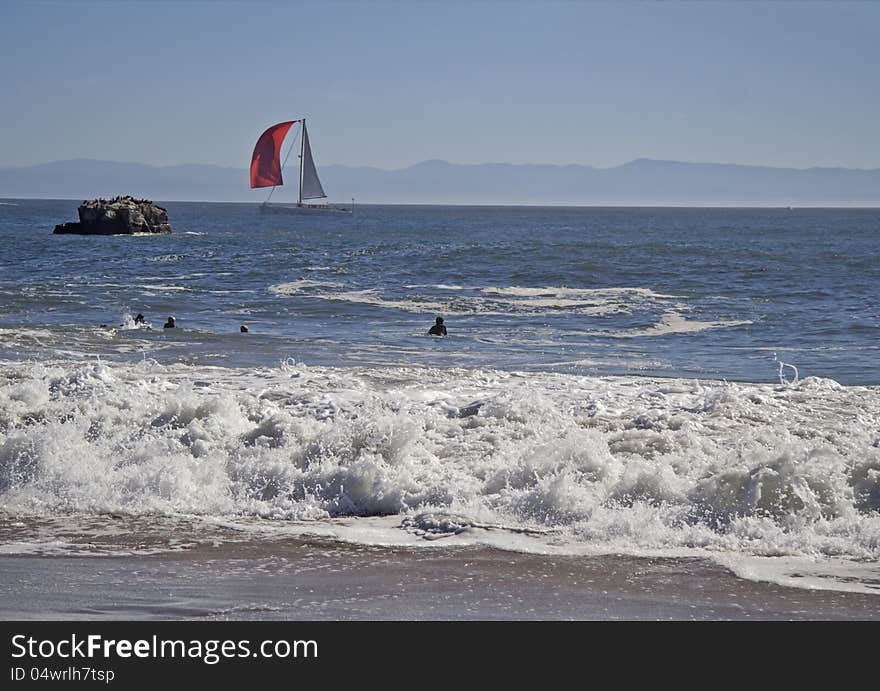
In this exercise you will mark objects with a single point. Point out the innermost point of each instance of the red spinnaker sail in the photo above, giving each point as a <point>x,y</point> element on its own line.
<point>266,161</point>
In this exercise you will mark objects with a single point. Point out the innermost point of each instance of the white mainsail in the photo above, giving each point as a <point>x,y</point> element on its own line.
<point>310,185</point>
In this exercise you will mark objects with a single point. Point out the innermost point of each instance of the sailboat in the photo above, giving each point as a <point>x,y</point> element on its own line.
<point>266,168</point>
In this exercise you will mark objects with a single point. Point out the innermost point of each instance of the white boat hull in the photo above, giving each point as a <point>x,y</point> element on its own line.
<point>302,209</point>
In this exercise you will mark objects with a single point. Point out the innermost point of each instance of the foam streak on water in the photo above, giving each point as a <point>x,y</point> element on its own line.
<point>537,461</point>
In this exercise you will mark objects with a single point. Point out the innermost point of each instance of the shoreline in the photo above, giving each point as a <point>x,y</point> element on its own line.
<point>308,579</point>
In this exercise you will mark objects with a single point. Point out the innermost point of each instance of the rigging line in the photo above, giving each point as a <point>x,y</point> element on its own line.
<point>292,142</point>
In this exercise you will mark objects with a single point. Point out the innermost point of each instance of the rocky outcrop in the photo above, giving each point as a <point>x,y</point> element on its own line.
<point>120,216</point>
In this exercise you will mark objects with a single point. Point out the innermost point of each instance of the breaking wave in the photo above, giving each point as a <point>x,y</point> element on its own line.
<point>623,464</point>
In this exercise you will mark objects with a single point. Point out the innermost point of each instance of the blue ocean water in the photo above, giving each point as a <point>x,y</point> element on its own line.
<point>610,383</point>
<point>705,293</point>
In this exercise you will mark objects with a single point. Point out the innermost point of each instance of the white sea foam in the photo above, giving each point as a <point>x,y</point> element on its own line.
<point>671,323</point>
<point>129,324</point>
<point>586,301</point>
<point>438,286</point>
<point>168,258</point>
<point>157,286</point>
<point>529,461</point>
<point>25,334</point>
<point>373,297</point>
<point>299,287</point>
<point>577,292</point>
<point>597,302</point>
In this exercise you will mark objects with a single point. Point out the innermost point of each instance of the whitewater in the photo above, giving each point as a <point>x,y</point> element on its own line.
<point>528,461</point>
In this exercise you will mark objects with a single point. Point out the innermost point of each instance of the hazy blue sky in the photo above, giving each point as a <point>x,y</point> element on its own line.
<point>389,84</point>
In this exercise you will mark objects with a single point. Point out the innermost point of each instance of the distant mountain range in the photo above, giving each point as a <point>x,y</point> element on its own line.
<point>643,182</point>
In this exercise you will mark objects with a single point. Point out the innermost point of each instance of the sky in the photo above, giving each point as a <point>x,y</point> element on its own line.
<point>390,84</point>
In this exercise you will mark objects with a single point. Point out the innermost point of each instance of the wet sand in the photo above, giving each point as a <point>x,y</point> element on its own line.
<point>318,580</point>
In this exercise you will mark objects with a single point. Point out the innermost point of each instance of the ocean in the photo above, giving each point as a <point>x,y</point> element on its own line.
<point>678,384</point>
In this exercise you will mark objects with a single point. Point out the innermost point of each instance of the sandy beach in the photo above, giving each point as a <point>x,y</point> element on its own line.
<point>318,580</point>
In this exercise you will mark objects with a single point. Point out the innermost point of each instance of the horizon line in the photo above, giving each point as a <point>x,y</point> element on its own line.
<point>727,205</point>
<point>452,163</point>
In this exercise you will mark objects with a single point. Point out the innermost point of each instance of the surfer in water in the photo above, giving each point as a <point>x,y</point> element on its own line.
<point>139,319</point>
<point>169,324</point>
<point>438,329</point>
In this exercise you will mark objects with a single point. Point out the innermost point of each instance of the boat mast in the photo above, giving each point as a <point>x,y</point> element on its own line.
<point>302,162</point>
